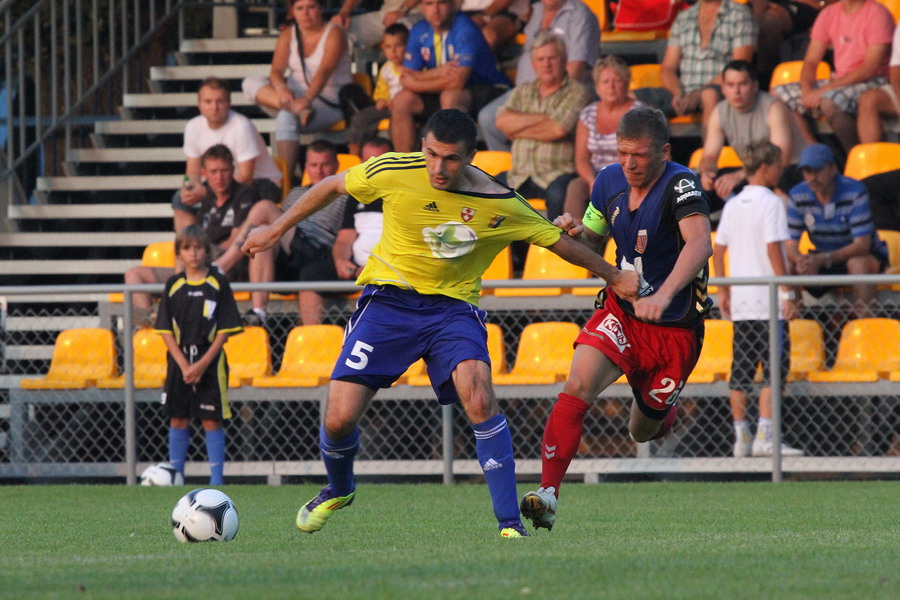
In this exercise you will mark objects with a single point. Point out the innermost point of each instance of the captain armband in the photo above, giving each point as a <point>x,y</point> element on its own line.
<point>595,221</point>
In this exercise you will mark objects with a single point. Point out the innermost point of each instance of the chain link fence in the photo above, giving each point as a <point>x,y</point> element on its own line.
<point>53,424</point>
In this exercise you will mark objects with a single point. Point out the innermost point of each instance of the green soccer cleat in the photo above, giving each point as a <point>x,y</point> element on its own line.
<point>313,515</point>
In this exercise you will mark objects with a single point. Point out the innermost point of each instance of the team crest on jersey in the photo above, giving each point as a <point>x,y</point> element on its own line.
<point>615,215</point>
<point>426,53</point>
<point>612,327</point>
<point>810,221</point>
<point>495,221</point>
<point>467,214</point>
<point>640,244</point>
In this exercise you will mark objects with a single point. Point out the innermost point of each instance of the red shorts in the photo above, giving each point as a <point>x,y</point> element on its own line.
<point>656,360</point>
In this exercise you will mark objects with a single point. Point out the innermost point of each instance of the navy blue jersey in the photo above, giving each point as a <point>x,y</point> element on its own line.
<point>648,239</point>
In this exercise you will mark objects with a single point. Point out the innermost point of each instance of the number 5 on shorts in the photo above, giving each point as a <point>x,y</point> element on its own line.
<point>358,357</point>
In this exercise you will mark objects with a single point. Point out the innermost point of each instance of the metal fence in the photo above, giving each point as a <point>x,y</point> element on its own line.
<point>850,424</point>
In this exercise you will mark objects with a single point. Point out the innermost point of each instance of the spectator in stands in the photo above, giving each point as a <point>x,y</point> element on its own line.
<point>783,32</point>
<point>366,30</point>
<point>364,124</point>
<point>859,32</point>
<point>595,134</point>
<point>746,115</point>
<point>315,51</point>
<point>752,231</point>
<point>362,223</point>
<point>218,124</point>
<point>225,207</point>
<point>702,40</point>
<point>834,210</point>
<point>196,316</point>
<point>878,104</point>
<point>540,119</point>
<point>571,20</point>
<point>448,65</point>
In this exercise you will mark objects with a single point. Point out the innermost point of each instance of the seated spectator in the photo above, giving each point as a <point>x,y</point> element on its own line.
<point>746,115</point>
<point>315,51</point>
<point>834,210</point>
<point>859,32</point>
<point>362,224</point>
<point>540,119</point>
<point>878,104</point>
<point>595,134</point>
<point>365,30</point>
<point>218,124</point>
<point>448,65</point>
<point>499,20</point>
<point>364,124</point>
<point>226,206</point>
<point>702,40</point>
<point>573,21</point>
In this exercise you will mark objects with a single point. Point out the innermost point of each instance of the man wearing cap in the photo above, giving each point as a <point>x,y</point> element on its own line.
<point>834,210</point>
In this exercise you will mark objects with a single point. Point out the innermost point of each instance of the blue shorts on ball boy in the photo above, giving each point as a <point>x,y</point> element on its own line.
<point>392,328</point>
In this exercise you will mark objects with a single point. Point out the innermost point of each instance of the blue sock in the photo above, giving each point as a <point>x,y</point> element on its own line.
<point>179,441</point>
<point>338,458</point>
<point>493,444</point>
<point>215,451</point>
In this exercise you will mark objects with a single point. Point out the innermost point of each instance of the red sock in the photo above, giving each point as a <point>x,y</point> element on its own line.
<point>667,423</point>
<point>562,435</point>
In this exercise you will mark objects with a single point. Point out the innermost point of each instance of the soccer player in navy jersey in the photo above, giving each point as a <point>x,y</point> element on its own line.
<point>444,222</point>
<point>658,216</point>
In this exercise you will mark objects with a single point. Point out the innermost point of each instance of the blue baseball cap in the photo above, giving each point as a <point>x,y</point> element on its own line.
<point>816,156</point>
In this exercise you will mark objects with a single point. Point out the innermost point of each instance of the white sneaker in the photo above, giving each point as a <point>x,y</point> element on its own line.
<point>763,447</point>
<point>540,507</point>
<point>742,443</point>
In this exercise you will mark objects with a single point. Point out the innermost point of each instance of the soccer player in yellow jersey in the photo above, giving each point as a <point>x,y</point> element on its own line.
<point>444,222</point>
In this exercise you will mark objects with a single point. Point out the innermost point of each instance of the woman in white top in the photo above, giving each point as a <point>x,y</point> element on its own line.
<point>595,135</point>
<point>314,54</point>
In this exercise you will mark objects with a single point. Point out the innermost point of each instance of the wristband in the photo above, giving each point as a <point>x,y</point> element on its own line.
<point>788,295</point>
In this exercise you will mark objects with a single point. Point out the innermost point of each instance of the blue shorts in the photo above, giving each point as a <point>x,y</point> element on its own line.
<point>393,328</point>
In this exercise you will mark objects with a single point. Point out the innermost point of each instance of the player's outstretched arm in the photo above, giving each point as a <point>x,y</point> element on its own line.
<point>624,283</point>
<point>315,199</point>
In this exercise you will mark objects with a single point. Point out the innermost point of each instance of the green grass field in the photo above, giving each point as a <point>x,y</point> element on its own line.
<point>640,541</point>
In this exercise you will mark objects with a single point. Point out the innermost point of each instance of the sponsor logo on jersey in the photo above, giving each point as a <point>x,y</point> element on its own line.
<point>450,240</point>
<point>495,221</point>
<point>684,185</point>
<point>687,195</point>
<point>615,215</point>
<point>431,207</point>
<point>467,214</point>
<point>640,244</point>
<point>611,326</point>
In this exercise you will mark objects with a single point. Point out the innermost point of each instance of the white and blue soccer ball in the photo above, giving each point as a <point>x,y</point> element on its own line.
<point>161,474</point>
<point>205,515</point>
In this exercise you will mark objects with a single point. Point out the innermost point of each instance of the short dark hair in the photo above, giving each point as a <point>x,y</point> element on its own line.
<point>644,122</point>
<point>397,29</point>
<point>214,83</point>
<point>378,142</point>
<point>323,146</point>
<point>742,66</point>
<point>219,151</point>
<point>452,126</point>
<point>193,234</point>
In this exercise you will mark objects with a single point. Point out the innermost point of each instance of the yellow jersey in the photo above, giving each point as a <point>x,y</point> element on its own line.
<point>436,241</point>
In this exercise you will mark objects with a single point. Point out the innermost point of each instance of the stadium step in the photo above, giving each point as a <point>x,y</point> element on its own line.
<point>81,239</point>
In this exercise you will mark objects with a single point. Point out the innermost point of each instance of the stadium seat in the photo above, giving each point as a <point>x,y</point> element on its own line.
<point>286,178</point>
<point>728,158</point>
<point>496,350</point>
<point>249,356</point>
<point>345,161</point>
<point>150,363</point>
<point>493,162</point>
<point>544,354</point>
<point>417,369</point>
<point>789,72</point>
<point>894,7</point>
<point>807,348</point>
<point>645,76</point>
<point>309,356</point>
<point>500,268</point>
<point>157,254</point>
<point>714,289</point>
<point>80,358</point>
<point>866,160</point>
<point>540,263</point>
<point>365,82</point>
<point>869,349</point>
<point>892,239</point>
<point>715,357</point>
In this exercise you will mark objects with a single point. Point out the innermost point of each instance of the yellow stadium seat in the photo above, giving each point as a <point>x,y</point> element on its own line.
<point>866,160</point>
<point>496,350</point>
<point>544,354</point>
<point>309,357</point>
<point>715,357</point>
<point>415,370</point>
<point>345,161</point>
<point>892,239</point>
<point>249,356</point>
<point>285,176</point>
<point>157,254</point>
<point>384,125</point>
<point>789,72</point>
<point>869,349</point>
<point>714,289</point>
<point>728,158</point>
<point>645,76</point>
<point>150,363</point>
<point>807,348</point>
<point>493,162</point>
<point>80,358</point>
<point>500,268</point>
<point>365,82</point>
<point>894,7</point>
<point>540,263</point>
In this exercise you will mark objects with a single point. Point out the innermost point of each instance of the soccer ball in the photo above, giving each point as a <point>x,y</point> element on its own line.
<point>205,515</point>
<point>161,474</point>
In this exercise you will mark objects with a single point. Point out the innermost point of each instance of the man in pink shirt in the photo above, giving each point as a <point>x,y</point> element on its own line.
<point>859,32</point>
